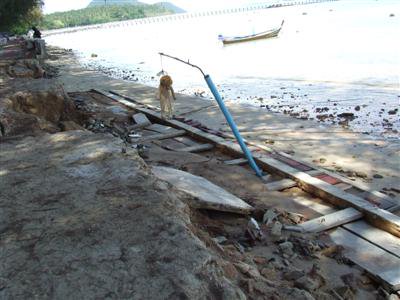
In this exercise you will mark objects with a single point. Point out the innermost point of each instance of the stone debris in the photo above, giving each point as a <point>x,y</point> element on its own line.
<point>286,248</point>
<point>269,216</point>
<point>220,239</point>
<point>248,270</point>
<point>307,283</point>
<point>276,230</point>
<point>299,294</point>
<point>253,229</point>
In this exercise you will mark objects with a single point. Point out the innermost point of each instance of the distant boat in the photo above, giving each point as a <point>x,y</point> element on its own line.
<point>262,35</point>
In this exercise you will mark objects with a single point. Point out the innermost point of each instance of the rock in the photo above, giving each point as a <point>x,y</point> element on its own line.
<point>323,296</point>
<point>322,160</point>
<point>276,230</point>
<point>286,248</point>
<point>306,283</point>
<point>357,108</point>
<point>396,190</point>
<point>268,272</point>
<point>298,294</point>
<point>393,112</point>
<point>345,292</point>
<point>248,270</point>
<point>230,271</point>
<point>349,280</point>
<point>295,218</point>
<point>254,229</point>
<point>361,174</point>
<point>161,185</point>
<point>260,260</point>
<point>94,55</point>
<point>293,275</point>
<point>347,115</point>
<point>220,239</point>
<point>378,176</point>
<point>323,117</point>
<point>269,216</point>
<point>70,125</point>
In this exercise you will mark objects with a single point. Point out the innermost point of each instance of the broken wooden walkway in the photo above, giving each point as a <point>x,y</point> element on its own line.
<point>354,201</point>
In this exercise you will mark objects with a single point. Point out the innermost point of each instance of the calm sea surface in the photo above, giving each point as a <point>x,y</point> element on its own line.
<point>341,56</point>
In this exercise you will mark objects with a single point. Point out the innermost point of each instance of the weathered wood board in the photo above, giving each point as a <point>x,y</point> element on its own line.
<point>331,220</point>
<point>141,120</point>
<point>238,161</point>
<point>161,128</point>
<point>281,185</point>
<point>204,193</point>
<point>375,236</point>
<point>379,263</point>
<point>161,136</point>
<point>196,148</point>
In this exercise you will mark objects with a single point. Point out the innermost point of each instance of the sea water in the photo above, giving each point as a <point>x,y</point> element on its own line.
<point>329,58</point>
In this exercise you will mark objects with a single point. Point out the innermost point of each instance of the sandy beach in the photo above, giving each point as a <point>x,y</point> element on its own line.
<point>370,161</point>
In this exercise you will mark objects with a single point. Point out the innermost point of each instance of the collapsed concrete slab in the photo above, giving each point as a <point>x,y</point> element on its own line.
<point>80,219</point>
<point>205,194</point>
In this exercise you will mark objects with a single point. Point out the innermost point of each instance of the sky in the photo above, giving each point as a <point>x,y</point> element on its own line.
<point>189,5</point>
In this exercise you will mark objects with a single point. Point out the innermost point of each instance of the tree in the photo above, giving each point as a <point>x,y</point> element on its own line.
<point>18,15</point>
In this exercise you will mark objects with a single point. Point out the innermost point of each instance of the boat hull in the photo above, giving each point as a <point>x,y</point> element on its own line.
<point>251,37</point>
<point>262,35</point>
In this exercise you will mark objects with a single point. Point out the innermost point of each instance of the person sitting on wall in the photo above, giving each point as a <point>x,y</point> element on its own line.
<point>36,33</point>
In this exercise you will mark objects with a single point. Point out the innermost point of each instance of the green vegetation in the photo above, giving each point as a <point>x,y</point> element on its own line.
<point>101,14</point>
<point>17,16</point>
<point>113,2</point>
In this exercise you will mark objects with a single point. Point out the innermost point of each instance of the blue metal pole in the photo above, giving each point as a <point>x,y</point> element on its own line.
<point>232,124</point>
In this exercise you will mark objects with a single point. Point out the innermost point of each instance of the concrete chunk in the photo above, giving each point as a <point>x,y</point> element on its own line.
<point>205,194</point>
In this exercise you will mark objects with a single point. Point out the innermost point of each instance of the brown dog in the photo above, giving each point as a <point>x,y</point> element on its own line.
<point>166,95</point>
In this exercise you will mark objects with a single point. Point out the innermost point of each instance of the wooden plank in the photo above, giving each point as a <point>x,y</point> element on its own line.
<point>377,216</point>
<point>140,120</point>
<point>360,186</point>
<point>334,219</point>
<point>161,128</point>
<point>379,263</point>
<point>317,170</point>
<point>281,185</point>
<point>161,136</point>
<point>343,186</point>
<point>238,161</point>
<point>375,236</point>
<point>314,172</point>
<point>331,220</point>
<point>196,148</point>
<point>186,141</point>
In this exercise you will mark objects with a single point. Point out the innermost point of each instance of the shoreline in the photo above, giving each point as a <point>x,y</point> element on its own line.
<point>362,158</point>
<point>294,97</point>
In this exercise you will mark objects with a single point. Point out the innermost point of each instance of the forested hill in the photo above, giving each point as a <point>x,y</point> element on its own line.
<point>167,5</point>
<point>113,2</point>
<point>102,14</point>
<point>173,7</point>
